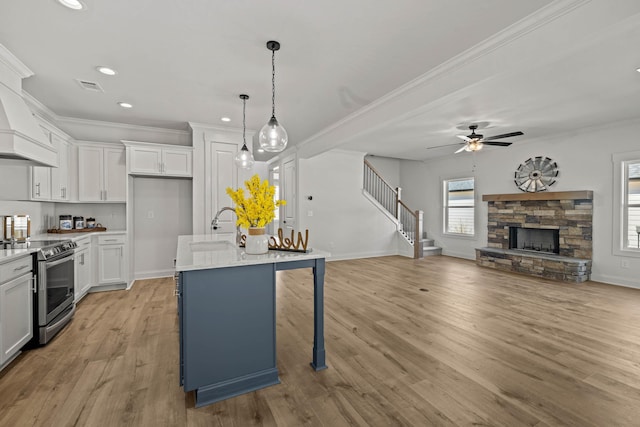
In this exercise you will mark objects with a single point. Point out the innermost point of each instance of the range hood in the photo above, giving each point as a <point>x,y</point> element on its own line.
<point>21,137</point>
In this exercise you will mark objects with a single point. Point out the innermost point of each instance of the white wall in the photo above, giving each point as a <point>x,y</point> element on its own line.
<point>584,162</point>
<point>344,222</point>
<point>162,210</point>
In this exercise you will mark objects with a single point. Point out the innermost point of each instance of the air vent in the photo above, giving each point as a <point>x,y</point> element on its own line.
<point>92,86</point>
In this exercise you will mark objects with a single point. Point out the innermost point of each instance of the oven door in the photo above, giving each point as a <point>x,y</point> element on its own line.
<point>55,287</point>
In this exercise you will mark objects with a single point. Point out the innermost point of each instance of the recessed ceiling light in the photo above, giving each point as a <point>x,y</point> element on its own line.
<point>125,105</point>
<point>72,4</point>
<point>260,150</point>
<point>225,119</point>
<point>638,70</point>
<point>106,70</point>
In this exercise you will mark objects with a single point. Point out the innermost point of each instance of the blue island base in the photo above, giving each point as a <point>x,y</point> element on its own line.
<point>224,390</point>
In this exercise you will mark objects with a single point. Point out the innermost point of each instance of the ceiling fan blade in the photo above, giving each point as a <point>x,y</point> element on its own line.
<point>446,145</point>
<point>504,135</point>
<point>461,149</point>
<point>501,143</point>
<point>464,138</point>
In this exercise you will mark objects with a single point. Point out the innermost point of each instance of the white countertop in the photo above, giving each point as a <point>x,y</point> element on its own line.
<point>8,254</point>
<point>203,251</point>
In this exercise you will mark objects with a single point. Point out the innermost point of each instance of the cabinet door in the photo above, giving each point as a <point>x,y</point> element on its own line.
<point>147,161</point>
<point>16,315</point>
<point>40,183</point>
<point>60,175</point>
<point>110,264</point>
<point>288,183</point>
<point>90,172</point>
<point>220,173</point>
<point>82,273</point>
<point>115,175</point>
<point>177,162</point>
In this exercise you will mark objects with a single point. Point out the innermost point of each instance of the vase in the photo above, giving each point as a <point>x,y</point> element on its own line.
<point>257,241</point>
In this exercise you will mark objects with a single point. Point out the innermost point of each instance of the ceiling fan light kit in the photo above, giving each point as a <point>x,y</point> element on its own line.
<point>475,141</point>
<point>273,136</point>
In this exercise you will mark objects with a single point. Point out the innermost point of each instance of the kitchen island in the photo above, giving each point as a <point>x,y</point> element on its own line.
<point>227,315</point>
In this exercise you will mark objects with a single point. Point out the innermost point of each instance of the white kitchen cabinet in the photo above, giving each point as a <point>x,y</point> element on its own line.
<point>101,173</point>
<point>112,259</point>
<point>52,183</point>
<point>16,307</point>
<point>144,158</point>
<point>41,177</point>
<point>60,175</point>
<point>83,268</point>
<point>40,183</point>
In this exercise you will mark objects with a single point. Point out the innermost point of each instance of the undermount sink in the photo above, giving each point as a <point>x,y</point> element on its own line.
<point>211,245</point>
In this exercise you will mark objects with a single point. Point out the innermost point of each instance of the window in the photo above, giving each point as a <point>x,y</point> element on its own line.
<point>631,206</point>
<point>459,206</point>
<point>626,204</point>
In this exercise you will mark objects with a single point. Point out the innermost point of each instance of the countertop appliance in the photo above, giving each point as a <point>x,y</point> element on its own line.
<point>53,303</point>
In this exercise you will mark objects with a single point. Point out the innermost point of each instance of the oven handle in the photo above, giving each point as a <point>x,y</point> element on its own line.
<point>60,261</point>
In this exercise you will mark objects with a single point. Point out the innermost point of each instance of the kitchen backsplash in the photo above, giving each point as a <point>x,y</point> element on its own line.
<point>38,213</point>
<point>44,215</point>
<point>109,215</point>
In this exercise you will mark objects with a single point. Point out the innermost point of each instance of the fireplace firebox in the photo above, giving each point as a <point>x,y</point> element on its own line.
<point>534,239</point>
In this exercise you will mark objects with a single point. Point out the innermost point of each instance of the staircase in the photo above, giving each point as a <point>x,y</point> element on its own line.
<point>410,223</point>
<point>428,247</point>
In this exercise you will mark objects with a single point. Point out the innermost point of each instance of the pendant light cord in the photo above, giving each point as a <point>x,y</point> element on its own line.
<point>244,126</point>
<point>273,83</point>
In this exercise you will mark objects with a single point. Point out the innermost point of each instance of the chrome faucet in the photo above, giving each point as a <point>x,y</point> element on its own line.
<point>214,223</point>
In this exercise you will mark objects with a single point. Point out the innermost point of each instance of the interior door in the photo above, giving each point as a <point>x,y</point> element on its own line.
<point>222,174</point>
<point>288,183</point>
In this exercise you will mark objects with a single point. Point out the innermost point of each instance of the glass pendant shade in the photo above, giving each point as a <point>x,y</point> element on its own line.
<point>244,158</point>
<point>273,137</point>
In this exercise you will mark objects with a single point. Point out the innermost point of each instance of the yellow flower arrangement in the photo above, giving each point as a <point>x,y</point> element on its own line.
<point>259,209</point>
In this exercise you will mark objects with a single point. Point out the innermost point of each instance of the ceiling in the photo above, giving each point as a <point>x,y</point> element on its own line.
<point>387,78</point>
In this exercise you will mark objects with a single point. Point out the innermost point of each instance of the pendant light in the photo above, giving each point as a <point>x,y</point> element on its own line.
<point>273,137</point>
<point>244,158</point>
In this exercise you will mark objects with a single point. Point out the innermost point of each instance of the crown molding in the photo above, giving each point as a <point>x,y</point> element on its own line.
<point>13,63</point>
<point>216,128</point>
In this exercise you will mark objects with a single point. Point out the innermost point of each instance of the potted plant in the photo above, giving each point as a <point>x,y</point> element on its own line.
<point>255,212</point>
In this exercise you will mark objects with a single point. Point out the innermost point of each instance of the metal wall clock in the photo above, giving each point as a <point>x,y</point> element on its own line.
<point>536,174</point>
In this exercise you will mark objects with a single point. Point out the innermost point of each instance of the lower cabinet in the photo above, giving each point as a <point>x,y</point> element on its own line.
<point>16,307</point>
<point>83,271</point>
<point>111,260</point>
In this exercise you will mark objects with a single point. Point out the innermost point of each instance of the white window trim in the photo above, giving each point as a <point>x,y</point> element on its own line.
<point>444,207</point>
<point>619,192</point>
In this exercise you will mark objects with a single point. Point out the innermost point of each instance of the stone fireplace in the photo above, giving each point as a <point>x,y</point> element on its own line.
<point>546,234</point>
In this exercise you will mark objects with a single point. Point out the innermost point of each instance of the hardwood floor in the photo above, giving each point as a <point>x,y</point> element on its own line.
<point>437,341</point>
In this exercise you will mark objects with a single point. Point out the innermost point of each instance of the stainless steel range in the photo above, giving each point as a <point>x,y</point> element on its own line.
<point>53,304</point>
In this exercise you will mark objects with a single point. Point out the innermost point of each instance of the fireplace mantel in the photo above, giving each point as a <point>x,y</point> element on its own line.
<point>542,195</point>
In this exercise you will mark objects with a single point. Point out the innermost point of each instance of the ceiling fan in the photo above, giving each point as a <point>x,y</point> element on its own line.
<point>475,141</point>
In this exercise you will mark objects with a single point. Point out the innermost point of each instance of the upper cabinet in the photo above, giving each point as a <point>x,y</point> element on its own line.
<point>147,159</point>
<point>60,175</point>
<point>101,173</point>
<point>52,183</point>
